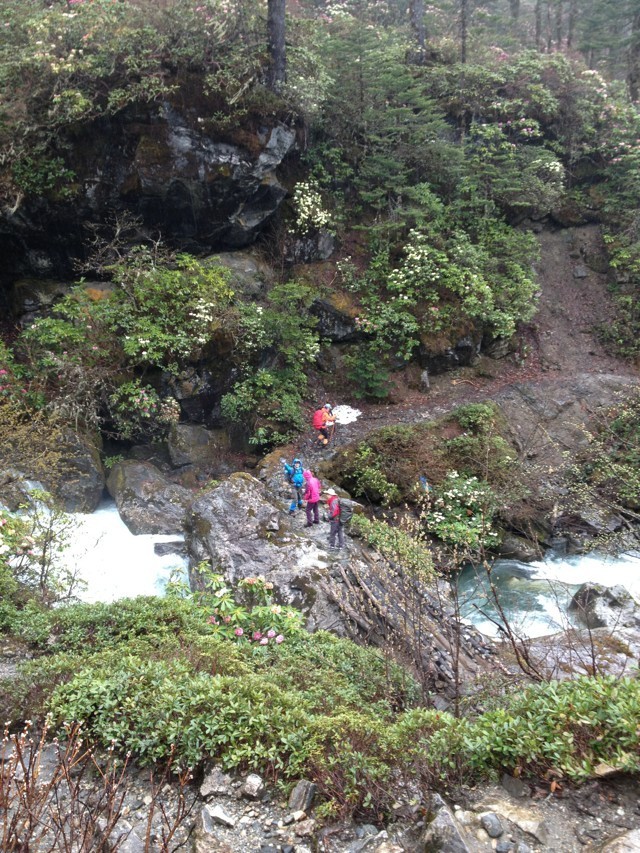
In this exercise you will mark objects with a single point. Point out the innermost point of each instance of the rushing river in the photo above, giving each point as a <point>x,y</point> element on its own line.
<point>112,562</point>
<point>535,596</point>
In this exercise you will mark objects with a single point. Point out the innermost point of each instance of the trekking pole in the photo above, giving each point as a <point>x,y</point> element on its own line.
<point>331,431</point>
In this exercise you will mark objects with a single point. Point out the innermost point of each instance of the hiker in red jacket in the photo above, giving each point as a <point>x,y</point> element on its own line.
<point>312,497</point>
<point>324,421</point>
<point>333,505</point>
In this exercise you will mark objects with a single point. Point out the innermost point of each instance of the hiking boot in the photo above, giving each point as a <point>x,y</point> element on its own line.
<point>316,522</point>
<point>308,524</point>
<point>291,511</point>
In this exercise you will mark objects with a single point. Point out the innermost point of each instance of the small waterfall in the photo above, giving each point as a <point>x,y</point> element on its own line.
<point>113,562</point>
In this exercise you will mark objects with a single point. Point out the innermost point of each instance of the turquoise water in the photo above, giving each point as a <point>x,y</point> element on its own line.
<point>535,596</point>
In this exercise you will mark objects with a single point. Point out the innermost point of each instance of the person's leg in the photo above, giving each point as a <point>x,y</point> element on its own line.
<point>332,532</point>
<point>294,501</point>
<point>340,535</point>
<point>308,510</point>
<point>299,495</point>
<point>316,513</point>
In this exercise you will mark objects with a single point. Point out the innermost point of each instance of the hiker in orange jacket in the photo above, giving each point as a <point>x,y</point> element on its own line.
<point>323,421</point>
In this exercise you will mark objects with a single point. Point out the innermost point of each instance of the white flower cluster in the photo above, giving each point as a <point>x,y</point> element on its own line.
<point>310,214</point>
<point>203,315</point>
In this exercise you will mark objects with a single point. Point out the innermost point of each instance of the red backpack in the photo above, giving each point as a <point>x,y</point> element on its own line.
<point>318,419</point>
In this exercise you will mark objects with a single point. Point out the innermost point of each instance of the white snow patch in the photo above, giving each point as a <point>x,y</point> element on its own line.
<point>345,414</point>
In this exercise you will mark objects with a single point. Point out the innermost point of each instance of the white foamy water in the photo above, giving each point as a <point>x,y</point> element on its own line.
<point>535,596</point>
<point>593,568</point>
<point>113,562</point>
<point>345,414</point>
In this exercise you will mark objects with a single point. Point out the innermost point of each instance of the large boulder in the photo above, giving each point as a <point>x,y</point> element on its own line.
<point>462,354</point>
<point>71,472</point>
<point>191,444</point>
<point>598,606</point>
<point>79,482</point>
<point>241,527</point>
<point>147,501</point>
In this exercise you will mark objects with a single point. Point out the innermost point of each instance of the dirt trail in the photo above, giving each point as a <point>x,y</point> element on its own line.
<point>559,343</point>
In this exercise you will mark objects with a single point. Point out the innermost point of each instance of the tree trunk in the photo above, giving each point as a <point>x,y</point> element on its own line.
<point>464,25</point>
<point>558,25</point>
<point>276,12</point>
<point>419,30</point>
<point>514,6</point>
<point>538,18</point>
<point>633,74</point>
<point>571,23</point>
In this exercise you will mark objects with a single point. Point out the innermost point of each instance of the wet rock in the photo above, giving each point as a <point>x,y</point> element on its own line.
<point>302,796</point>
<point>32,297</point>
<point>529,820</point>
<point>305,828</point>
<point>518,548</point>
<point>193,444</point>
<point>147,501</point>
<point>443,833</point>
<point>490,822</point>
<point>464,353</point>
<point>629,842</point>
<point>515,787</point>
<point>598,606</point>
<point>253,787</point>
<point>166,549</point>
<point>249,275</point>
<point>220,816</point>
<point>336,319</point>
<point>123,839</point>
<point>306,250</point>
<point>162,163</point>
<point>240,528</point>
<point>215,782</point>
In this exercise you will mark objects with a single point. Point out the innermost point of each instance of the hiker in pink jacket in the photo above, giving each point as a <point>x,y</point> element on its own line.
<point>312,497</point>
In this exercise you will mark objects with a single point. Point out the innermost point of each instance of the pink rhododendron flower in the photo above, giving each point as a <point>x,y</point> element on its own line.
<point>264,641</point>
<point>271,633</point>
<point>279,639</point>
<point>238,632</point>
<point>256,635</point>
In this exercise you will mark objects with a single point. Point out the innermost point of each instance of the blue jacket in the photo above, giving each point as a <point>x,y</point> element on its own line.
<point>294,473</point>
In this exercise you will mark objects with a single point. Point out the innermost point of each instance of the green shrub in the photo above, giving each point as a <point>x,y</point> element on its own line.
<point>330,672</point>
<point>570,727</point>
<point>460,512</point>
<point>157,709</point>
<point>404,547</point>
<point>346,758</point>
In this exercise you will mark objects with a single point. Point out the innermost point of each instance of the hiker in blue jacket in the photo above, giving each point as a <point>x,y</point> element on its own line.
<point>294,474</point>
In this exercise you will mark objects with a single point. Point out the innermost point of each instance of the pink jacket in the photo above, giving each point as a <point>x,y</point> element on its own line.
<point>312,494</point>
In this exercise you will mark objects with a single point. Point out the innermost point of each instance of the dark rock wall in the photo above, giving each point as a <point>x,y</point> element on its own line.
<point>160,163</point>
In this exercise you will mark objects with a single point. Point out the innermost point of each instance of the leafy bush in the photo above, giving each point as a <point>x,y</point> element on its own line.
<point>161,313</point>
<point>460,512</point>
<point>399,546</point>
<point>267,400</point>
<point>159,709</point>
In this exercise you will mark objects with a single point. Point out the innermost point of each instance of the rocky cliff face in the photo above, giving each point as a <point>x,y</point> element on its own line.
<point>200,189</point>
